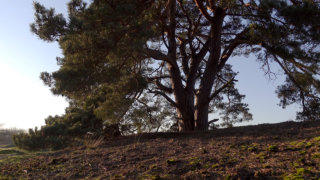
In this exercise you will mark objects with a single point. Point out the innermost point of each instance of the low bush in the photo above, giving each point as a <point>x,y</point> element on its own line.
<point>60,131</point>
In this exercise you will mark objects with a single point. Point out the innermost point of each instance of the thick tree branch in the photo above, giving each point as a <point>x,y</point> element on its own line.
<point>212,65</point>
<point>204,50</point>
<point>173,67</point>
<point>163,87</point>
<point>157,81</point>
<point>227,52</point>
<point>158,77</point>
<point>184,56</point>
<point>195,65</point>
<point>212,121</point>
<point>165,96</point>
<point>156,54</point>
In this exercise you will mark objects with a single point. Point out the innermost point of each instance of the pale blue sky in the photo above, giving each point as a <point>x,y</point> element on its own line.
<point>25,101</point>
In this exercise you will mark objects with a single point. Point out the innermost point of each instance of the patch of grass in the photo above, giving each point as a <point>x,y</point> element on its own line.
<point>11,151</point>
<point>301,173</point>
<point>15,158</point>
<point>7,146</point>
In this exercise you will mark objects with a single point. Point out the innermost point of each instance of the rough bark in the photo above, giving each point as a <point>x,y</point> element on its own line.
<point>186,121</point>
<point>201,116</point>
<point>202,105</point>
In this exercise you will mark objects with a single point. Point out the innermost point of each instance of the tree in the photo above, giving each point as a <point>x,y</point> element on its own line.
<point>178,50</point>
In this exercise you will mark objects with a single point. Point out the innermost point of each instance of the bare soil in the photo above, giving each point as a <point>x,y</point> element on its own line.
<point>289,150</point>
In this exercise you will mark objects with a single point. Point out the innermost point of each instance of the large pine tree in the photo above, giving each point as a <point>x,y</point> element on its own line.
<point>179,50</point>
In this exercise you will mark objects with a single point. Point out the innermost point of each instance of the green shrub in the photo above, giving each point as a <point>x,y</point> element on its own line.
<point>37,140</point>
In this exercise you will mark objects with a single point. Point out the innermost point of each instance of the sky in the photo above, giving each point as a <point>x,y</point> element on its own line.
<point>25,102</point>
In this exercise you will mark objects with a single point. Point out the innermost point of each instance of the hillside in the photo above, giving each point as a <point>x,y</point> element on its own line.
<point>286,150</point>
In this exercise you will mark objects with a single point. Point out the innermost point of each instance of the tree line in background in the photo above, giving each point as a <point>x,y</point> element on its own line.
<point>158,65</point>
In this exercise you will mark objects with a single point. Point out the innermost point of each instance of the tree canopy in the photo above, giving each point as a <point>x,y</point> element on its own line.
<point>123,55</point>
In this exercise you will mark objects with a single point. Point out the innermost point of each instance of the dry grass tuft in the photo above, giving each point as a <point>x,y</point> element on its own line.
<point>92,142</point>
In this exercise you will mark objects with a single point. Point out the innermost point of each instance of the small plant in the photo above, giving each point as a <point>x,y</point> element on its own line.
<point>292,148</point>
<point>295,164</point>
<point>316,139</point>
<point>273,148</point>
<point>244,147</point>
<point>261,156</point>
<point>206,166</point>
<point>309,144</point>
<point>266,166</point>
<point>302,171</point>
<point>215,165</point>
<point>302,152</point>
<point>194,161</point>
<point>316,156</point>
<point>294,143</point>
<point>300,144</point>
<point>253,148</point>
<point>172,161</point>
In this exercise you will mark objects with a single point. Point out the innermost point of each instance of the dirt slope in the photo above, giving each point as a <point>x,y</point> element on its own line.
<point>286,150</point>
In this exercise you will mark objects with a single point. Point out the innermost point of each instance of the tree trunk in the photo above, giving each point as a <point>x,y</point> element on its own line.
<point>191,120</point>
<point>185,122</point>
<point>201,114</point>
<point>186,114</point>
<point>201,118</point>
